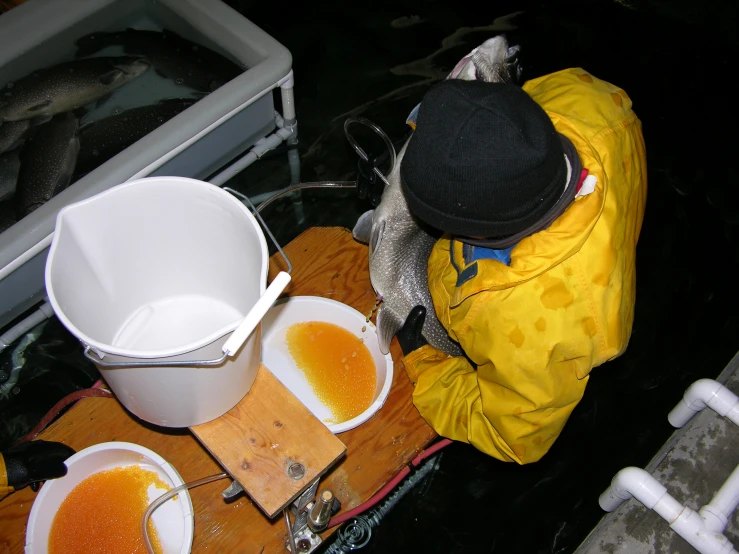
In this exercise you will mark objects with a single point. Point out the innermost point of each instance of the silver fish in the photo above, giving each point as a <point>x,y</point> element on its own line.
<point>47,163</point>
<point>67,86</point>
<point>11,132</point>
<point>399,249</point>
<point>399,246</point>
<point>494,61</point>
<point>10,165</point>
<point>101,140</point>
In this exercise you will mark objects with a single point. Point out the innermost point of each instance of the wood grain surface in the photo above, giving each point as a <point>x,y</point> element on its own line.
<point>262,436</point>
<point>327,262</point>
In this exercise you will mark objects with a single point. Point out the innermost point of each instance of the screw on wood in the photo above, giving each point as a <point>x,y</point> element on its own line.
<point>296,471</point>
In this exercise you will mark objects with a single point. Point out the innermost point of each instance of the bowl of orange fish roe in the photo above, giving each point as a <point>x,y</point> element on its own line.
<point>98,506</point>
<point>327,354</point>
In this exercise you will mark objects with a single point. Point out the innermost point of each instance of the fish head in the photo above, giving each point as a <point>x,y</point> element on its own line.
<point>512,64</point>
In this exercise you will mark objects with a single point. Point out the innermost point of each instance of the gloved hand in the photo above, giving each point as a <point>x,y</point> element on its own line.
<point>32,462</point>
<point>409,335</point>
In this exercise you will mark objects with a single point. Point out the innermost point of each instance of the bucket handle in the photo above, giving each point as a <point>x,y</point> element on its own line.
<point>245,328</point>
<point>278,284</point>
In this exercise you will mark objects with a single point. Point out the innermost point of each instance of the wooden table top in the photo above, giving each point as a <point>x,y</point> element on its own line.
<point>326,262</point>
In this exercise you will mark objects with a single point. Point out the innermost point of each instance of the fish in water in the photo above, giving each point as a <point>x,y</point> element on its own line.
<point>66,87</point>
<point>47,163</point>
<point>399,244</point>
<point>11,132</point>
<point>102,139</point>
<point>10,165</point>
<point>172,56</point>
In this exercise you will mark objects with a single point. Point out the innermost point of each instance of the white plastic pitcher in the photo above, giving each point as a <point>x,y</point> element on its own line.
<point>163,280</point>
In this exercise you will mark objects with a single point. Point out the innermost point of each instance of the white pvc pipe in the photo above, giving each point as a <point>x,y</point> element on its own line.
<point>288,99</point>
<point>637,483</point>
<point>689,525</point>
<point>702,393</point>
<point>44,312</point>
<point>716,513</point>
<point>632,482</point>
<point>258,150</point>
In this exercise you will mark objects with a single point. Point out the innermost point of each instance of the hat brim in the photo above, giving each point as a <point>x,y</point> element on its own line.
<point>559,207</point>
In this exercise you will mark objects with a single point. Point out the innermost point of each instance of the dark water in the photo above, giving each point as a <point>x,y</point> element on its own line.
<point>673,59</point>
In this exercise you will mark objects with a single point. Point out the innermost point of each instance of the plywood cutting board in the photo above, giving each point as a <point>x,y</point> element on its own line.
<point>259,440</point>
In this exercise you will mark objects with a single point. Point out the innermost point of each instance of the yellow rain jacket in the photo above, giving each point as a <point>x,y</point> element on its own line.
<point>565,304</point>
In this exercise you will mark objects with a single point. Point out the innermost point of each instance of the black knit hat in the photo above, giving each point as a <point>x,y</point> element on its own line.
<point>486,161</point>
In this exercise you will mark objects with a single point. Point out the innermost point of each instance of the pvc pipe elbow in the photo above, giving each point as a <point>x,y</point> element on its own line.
<point>690,526</point>
<point>714,519</point>
<point>288,81</point>
<point>44,312</point>
<point>702,393</point>
<point>632,481</point>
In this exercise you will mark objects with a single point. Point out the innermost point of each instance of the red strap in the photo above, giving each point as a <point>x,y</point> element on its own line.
<point>583,174</point>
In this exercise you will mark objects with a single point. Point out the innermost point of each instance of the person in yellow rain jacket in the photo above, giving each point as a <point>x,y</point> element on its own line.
<point>541,192</point>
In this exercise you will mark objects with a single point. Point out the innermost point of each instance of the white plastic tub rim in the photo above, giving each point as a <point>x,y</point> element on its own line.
<point>104,348</point>
<point>175,520</point>
<point>276,357</point>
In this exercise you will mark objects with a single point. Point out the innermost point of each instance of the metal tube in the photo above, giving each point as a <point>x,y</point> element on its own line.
<point>320,513</point>
<point>290,536</point>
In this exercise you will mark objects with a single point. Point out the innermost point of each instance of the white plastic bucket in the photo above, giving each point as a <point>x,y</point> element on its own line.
<point>173,520</point>
<point>169,271</point>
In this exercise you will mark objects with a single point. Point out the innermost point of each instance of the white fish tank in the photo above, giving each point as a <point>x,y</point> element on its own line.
<point>215,128</point>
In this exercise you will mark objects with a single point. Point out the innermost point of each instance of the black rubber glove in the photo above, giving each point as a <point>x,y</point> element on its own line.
<point>35,461</point>
<point>409,336</point>
<point>369,185</point>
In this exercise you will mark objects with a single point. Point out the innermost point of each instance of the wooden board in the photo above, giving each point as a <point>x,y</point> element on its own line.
<point>258,440</point>
<point>328,262</point>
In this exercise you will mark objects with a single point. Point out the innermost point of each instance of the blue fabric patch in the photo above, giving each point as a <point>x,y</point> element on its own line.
<point>466,274</point>
<point>474,253</point>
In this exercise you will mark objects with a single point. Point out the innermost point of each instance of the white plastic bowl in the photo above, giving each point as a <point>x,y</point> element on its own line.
<point>277,358</point>
<point>173,520</point>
